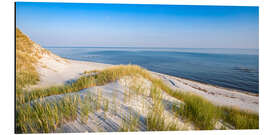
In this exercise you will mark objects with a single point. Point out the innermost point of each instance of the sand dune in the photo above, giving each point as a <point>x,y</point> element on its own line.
<point>111,121</point>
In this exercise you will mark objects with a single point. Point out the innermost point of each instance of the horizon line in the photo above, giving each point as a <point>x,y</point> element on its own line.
<point>138,47</point>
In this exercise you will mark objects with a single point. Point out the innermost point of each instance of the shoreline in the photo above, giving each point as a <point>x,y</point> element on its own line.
<point>195,81</point>
<point>212,85</point>
<point>215,94</point>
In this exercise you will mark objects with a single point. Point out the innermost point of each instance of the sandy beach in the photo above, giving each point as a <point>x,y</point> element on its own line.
<point>215,94</point>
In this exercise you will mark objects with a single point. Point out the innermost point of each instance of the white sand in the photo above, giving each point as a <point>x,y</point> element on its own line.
<point>55,70</point>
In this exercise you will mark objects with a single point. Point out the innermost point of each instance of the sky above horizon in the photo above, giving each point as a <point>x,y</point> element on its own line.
<point>137,25</point>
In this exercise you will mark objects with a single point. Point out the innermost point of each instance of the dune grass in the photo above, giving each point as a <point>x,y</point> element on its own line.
<point>44,117</point>
<point>81,83</point>
<point>106,105</point>
<point>196,109</point>
<point>26,73</point>
<point>27,55</point>
<point>240,119</point>
<point>156,120</point>
<point>129,122</point>
<point>84,110</point>
<point>202,112</point>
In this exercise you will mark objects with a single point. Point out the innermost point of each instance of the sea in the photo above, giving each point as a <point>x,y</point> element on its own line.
<point>225,67</point>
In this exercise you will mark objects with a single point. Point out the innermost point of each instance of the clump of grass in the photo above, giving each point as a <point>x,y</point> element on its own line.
<point>129,123</point>
<point>99,98</point>
<point>202,112</point>
<point>106,105</point>
<point>176,109</point>
<point>69,106</point>
<point>127,95</point>
<point>26,73</point>
<point>156,120</point>
<point>84,110</point>
<point>138,89</point>
<point>81,83</point>
<point>240,119</point>
<point>114,104</point>
<point>44,117</point>
<point>91,105</point>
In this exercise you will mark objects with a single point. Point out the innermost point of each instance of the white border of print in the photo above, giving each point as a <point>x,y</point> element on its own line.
<point>7,61</point>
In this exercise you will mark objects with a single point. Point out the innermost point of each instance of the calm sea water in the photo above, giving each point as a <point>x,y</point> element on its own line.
<point>231,68</point>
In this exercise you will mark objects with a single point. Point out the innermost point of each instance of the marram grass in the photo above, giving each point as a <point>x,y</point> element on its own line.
<point>156,120</point>
<point>26,73</point>
<point>44,117</point>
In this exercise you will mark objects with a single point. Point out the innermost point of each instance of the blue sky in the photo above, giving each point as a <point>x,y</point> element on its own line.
<point>127,25</point>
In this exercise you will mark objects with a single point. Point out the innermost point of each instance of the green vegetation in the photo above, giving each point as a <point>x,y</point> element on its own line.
<point>106,105</point>
<point>240,119</point>
<point>114,104</point>
<point>129,123</point>
<point>105,76</point>
<point>81,83</point>
<point>26,73</point>
<point>44,117</point>
<point>84,110</point>
<point>156,120</point>
<point>205,112</point>
<point>99,98</point>
<point>27,54</point>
